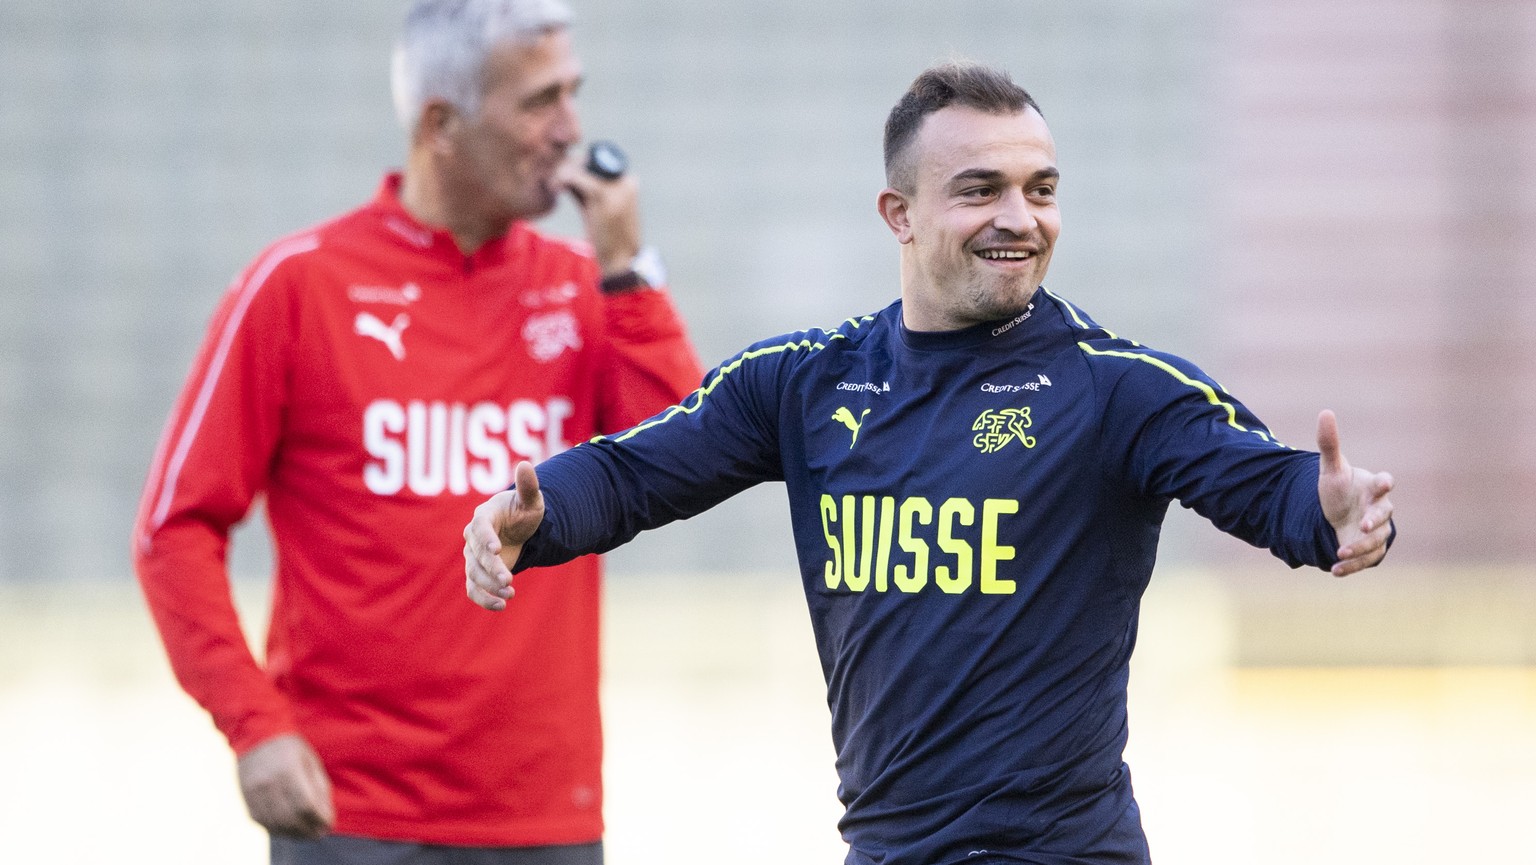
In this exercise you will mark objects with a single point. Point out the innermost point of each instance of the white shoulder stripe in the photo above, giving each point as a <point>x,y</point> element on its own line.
<point>247,292</point>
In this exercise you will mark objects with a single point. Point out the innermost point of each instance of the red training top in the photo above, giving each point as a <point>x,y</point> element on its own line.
<point>376,384</point>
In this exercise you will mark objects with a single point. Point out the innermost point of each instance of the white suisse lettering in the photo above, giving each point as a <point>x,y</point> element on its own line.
<point>434,447</point>
<point>487,424</point>
<point>426,456</point>
<point>383,419</point>
<point>558,410</point>
<point>526,419</point>
<point>458,482</point>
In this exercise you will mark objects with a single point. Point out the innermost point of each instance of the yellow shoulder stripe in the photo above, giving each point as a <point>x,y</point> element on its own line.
<point>697,397</point>
<point>1076,316</point>
<point>1210,394</point>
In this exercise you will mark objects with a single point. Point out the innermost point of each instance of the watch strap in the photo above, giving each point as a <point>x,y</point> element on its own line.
<point>645,271</point>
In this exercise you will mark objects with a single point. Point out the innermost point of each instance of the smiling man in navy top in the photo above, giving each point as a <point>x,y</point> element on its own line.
<point>977,475</point>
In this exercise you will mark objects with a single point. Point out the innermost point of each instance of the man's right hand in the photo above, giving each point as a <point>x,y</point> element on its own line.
<point>286,788</point>
<point>610,210</point>
<point>494,539</point>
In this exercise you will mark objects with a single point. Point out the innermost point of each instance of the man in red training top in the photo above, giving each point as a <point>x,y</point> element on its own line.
<point>375,378</point>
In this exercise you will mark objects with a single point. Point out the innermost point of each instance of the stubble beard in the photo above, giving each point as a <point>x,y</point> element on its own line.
<point>995,298</point>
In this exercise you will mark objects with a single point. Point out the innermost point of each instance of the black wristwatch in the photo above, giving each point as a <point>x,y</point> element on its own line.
<point>645,271</point>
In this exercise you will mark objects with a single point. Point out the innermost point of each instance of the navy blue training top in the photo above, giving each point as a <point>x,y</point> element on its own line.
<point>976,515</point>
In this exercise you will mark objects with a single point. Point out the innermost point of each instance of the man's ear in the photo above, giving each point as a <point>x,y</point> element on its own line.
<point>438,125</point>
<point>893,207</point>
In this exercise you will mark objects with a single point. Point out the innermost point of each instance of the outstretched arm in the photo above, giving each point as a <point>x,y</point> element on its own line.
<point>1354,501</point>
<point>495,536</point>
<point>598,495</point>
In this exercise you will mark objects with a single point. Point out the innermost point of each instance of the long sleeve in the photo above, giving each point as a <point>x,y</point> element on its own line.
<point>722,439</point>
<point>1175,433</point>
<point>209,466</point>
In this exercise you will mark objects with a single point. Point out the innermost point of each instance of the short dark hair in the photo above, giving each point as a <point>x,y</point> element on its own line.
<point>972,85</point>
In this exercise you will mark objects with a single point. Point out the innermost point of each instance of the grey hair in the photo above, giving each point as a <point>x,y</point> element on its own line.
<point>443,46</point>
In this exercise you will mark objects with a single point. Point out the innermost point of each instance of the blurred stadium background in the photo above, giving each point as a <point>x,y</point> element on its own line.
<point>1326,204</point>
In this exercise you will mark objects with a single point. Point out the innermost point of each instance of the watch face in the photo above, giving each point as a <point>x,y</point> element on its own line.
<point>649,267</point>
<point>606,160</point>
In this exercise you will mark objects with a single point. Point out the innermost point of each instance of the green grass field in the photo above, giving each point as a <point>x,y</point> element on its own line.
<point>718,748</point>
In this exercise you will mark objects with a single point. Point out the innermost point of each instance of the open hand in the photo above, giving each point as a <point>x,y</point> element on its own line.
<point>494,538</point>
<point>1354,501</point>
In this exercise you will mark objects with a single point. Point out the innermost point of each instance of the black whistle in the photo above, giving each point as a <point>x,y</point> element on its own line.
<point>606,160</point>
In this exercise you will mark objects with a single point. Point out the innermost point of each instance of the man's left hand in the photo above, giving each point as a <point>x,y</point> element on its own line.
<point>1354,501</point>
<point>494,538</point>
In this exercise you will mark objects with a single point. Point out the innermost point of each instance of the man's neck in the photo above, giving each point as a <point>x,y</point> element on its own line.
<point>425,196</point>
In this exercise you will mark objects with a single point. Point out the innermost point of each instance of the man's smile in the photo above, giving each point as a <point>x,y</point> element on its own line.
<point>1005,254</point>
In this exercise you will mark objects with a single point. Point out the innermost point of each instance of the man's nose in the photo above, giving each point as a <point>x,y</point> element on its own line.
<point>1014,214</point>
<point>566,129</point>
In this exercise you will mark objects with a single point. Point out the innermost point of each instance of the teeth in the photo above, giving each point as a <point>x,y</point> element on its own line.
<point>1003,253</point>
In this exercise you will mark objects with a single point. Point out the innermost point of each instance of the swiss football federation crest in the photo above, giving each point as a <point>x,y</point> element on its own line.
<point>552,334</point>
<point>994,429</point>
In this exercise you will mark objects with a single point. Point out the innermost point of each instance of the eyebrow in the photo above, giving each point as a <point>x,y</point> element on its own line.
<point>992,175</point>
<point>554,88</point>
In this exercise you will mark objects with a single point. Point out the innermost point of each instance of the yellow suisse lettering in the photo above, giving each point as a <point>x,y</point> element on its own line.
<point>834,573</point>
<point>883,558</point>
<point>956,547</point>
<point>857,578</point>
<point>920,508</point>
<point>859,530</point>
<point>991,551</point>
